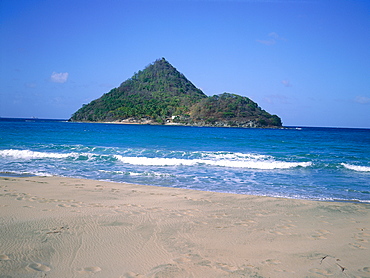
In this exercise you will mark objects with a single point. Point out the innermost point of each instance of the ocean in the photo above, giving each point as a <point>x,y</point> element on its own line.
<point>297,162</point>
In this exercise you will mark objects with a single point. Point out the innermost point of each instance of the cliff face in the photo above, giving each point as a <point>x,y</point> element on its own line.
<point>161,95</point>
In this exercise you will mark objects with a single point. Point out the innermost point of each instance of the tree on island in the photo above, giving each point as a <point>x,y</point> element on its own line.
<point>160,94</point>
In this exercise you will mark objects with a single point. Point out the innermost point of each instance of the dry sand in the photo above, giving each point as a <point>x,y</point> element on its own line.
<point>63,227</point>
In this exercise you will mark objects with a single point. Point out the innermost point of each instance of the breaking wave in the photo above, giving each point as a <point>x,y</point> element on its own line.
<point>216,159</point>
<point>251,163</point>
<point>356,167</point>
<point>27,154</point>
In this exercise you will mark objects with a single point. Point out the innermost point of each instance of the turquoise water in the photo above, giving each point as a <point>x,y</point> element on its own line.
<point>304,163</point>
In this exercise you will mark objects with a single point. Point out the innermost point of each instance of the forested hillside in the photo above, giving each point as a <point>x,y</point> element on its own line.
<point>160,94</point>
<point>233,110</point>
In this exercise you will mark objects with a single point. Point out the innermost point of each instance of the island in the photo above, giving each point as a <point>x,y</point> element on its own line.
<point>160,94</point>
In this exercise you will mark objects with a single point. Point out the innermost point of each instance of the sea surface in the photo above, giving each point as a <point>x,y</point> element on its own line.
<point>298,162</point>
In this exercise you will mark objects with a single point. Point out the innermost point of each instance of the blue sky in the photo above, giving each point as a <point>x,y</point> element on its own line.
<point>307,61</point>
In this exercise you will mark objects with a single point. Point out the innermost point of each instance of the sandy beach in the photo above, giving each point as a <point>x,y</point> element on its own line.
<point>64,227</point>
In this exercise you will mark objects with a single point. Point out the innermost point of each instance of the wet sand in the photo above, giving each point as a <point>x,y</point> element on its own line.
<point>64,227</point>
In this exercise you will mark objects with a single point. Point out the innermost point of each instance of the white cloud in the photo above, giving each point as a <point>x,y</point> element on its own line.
<point>286,83</point>
<point>30,85</point>
<point>274,37</point>
<point>276,99</point>
<point>267,42</point>
<point>362,99</point>
<point>59,77</point>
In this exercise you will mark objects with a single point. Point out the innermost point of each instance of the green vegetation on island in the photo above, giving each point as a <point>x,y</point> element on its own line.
<point>161,95</point>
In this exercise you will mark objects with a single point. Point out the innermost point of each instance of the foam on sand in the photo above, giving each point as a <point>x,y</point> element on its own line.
<point>64,227</point>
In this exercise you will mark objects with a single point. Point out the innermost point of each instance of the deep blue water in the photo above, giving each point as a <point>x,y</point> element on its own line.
<point>304,163</point>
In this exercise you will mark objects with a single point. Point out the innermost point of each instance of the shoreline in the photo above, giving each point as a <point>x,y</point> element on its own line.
<point>67,227</point>
<point>15,175</point>
<point>152,123</point>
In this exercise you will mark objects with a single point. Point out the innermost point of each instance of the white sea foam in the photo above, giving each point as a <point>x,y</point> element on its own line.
<point>220,159</point>
<point>232,156</point>
<point>356,167</point>
<point>27,154</point>
<point>135,174</point>
<point>112,172</point>
<point>266,164</point>
<point>43,174</point>
<point>33,173</point>
<point>156,161</point>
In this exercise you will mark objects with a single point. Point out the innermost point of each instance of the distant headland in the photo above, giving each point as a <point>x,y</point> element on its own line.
<point>160,94</point>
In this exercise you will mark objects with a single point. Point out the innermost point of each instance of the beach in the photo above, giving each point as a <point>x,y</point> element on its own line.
<point>65,227</point>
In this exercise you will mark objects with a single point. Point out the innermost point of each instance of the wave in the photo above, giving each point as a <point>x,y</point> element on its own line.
<point>268,164</point>
<point>131,173</point>
<point>159,158</point>
<point>27,154</point>
<point>356,167</point>
<point>24,173</point>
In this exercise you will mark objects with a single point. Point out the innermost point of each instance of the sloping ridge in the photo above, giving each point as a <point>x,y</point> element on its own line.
<point>162,95</point>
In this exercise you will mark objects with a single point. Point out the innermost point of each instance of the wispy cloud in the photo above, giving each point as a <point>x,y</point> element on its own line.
<point>362,100</point>
<point>30,85</point>
<point>267,42</point>
<point>276,99</point>
<point>254,1</point>
<point>273,39</point>
<point>275,36</point>
<point>59,77</point>
<point>286,83</point>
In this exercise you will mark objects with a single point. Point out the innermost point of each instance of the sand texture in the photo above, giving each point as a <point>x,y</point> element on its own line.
<point>63,227</point>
